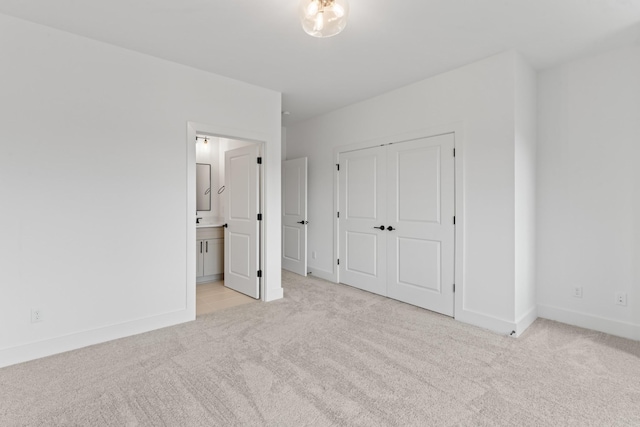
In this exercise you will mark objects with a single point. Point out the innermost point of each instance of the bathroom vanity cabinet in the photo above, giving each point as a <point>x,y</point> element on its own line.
<point>209,254</point>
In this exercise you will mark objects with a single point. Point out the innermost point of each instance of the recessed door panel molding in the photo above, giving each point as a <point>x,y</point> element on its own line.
<point>406,198</point>
<point>294,215</point>
<point>291,241</point>
<point>291,181</point>
<point>419,264</point>
<point>239,184</point>
<point>418,185</point>
<point>361,253</point>
<point>361,187</point>
<point>241,244</point>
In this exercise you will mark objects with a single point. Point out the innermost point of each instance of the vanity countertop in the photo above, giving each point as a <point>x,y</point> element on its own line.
<point>210,222</point>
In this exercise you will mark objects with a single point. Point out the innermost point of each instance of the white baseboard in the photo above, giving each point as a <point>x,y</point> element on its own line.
<point>494,324</point>
<point>322,274</point>
<point>274,294</point>
<point>525,321</point>
<point>30,351</point>
<point>588,321</point>
<point>207,279</point>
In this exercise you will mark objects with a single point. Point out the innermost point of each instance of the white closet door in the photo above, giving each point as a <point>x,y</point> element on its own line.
<point>294,215</point>
<point>420,209</point>
<point>241,247</point>
<point>362,207</point>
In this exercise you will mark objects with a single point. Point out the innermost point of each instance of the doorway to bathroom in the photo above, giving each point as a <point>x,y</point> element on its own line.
<point>227,221</point>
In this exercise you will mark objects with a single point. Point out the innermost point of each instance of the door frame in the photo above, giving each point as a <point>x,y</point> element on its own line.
<point>194,129</point>
<point>457,129</point>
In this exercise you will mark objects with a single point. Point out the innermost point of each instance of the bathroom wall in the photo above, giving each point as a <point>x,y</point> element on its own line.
<point>209,153</point>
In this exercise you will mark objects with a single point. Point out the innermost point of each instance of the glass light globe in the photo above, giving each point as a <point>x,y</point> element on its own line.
<point>323,18</point>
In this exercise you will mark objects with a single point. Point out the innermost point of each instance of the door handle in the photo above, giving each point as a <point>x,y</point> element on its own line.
<point>390,228</point>
<point>206,245</point>
<point>303,222</point>
<point>225,225</point>
<point>200,247</point>
<point>380,228</point>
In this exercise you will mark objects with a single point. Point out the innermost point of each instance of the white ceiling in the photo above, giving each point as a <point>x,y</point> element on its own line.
<point>387,43</point>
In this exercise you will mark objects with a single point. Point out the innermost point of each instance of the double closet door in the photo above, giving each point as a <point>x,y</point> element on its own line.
<point>396,224</point>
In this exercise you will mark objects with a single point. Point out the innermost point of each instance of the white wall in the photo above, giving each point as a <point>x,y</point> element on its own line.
<point>478,100</point>
<point>589,192</point>
<point>525,194</point>
<point>93,182</point>
<point>284,143</point>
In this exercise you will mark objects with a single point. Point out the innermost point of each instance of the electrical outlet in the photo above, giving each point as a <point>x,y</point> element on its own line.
<point>577,291</point>
<point>621,298</point>
<point>36,315</point>
<point>313,254</point>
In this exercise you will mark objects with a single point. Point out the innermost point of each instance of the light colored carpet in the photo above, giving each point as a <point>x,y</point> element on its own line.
<point>332,355</point>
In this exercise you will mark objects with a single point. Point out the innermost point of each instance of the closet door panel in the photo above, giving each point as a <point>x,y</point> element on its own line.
<point>362,207</point>
<point>420,201</point>
<point>419,263</point>
<point>417,184</point>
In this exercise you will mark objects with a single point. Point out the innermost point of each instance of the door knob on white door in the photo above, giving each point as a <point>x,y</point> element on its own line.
<point>303,222</point>
<point>380,228</point>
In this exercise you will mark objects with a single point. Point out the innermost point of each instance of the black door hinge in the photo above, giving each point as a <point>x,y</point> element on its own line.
<point>259,273</point>
<point>259,160</point>
<point>454,288</point>
<point>454,220</point>
<point>454,152</point>
<point>259,217</point>
<point>338,214</point>
<point>338,261</point>
<point>338,166</point>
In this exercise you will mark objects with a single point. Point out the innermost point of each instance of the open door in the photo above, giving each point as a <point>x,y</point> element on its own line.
<point>294,216</point>
<point>241,248</point>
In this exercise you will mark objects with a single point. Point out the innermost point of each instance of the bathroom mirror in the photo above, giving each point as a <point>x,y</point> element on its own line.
<point>203,187</point>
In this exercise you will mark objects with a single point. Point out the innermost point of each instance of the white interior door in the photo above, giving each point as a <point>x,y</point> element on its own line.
<point>241,217</point>
<point>396,221</point>
<point>420,210</point>
<point>294,216</point>
<point>362,207</point>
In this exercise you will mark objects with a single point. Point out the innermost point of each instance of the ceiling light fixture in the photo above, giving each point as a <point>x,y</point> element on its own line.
<point>323,18</point>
